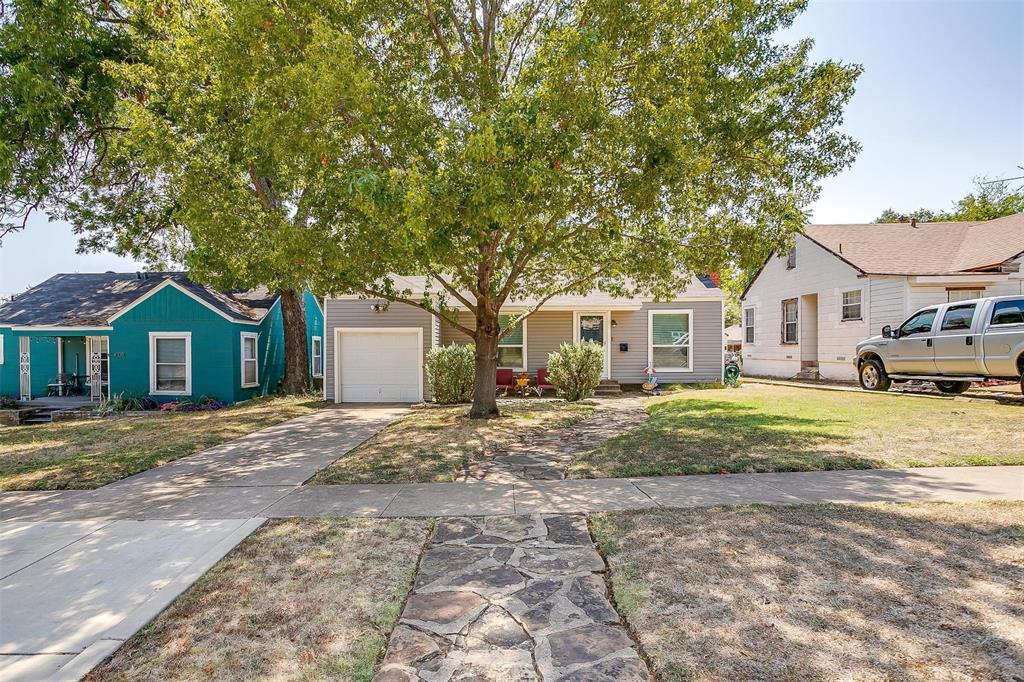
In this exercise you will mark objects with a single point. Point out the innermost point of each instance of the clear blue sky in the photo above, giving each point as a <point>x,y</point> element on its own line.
<point>941,101</point>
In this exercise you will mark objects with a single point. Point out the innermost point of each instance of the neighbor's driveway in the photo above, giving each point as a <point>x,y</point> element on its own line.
<point>79,579</point>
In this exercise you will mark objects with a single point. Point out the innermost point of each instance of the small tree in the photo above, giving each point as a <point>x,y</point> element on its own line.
<point>450,373</point>
<point>575,369</point>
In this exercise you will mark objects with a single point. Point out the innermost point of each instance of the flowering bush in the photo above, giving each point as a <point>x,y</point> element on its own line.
<point>575,369</point>
<point>7,403</point>
<point>450,372</point>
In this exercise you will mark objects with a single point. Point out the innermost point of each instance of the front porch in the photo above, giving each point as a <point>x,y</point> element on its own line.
<point>62,370</point>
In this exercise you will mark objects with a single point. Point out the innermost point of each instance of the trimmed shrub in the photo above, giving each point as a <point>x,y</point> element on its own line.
<point>450,372</point>
<point>575,369</point>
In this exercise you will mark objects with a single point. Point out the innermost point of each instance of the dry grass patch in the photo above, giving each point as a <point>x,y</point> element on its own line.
<point>760,427</point>
<point>820,592</point>
<point>299,599</point>
<point>93,452</point>
<point>437,444</point>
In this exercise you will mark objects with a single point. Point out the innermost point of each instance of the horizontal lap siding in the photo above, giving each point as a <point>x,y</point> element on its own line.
<point>546,330</point>
<point>631,327</point>
<point>342,313</point>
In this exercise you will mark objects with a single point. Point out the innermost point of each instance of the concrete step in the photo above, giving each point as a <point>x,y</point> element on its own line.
<point>808,374</point>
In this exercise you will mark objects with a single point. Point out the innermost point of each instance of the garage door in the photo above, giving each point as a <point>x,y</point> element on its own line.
<point>380,366</point>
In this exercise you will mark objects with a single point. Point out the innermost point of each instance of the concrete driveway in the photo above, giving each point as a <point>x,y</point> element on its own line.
<point>88,568</point>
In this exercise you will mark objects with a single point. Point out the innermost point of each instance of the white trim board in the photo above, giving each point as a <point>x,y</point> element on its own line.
<point>338,331</point>
<point>171,283</point>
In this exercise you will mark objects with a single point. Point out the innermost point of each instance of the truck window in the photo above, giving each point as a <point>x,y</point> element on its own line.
<point>1008,312</point>
<point>919,324</point>
<point>958,317</point>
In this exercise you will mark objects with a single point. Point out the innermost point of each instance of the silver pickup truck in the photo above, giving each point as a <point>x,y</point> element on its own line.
<point>951,344</point>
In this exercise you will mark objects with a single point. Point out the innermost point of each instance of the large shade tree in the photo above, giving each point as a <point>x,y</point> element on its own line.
<point>507,151</point>
<point>557,147</point>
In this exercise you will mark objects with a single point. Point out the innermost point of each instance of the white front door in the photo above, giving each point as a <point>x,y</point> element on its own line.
<point>595,327</point>
<point>379,365</point>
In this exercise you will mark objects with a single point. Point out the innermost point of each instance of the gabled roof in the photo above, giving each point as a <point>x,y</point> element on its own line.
<point>925,249</point>
<point>90,299</point>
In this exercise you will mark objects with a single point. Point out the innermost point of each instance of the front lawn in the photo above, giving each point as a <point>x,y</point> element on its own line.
<point>300,599</point>
<point>821,592</point>
<point>438,444</point>
<point>761,427</point>
<point>90,453</point>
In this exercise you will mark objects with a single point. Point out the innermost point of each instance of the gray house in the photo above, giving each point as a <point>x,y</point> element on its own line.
<point>374,352</point>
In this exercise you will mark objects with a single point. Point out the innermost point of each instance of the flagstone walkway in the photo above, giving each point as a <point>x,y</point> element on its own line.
<point>545,456</point>
<point>511,599</point>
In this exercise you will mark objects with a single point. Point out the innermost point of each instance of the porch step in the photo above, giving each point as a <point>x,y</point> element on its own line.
<point>40,416</point>
<point>608,387</point>
<point>809,374</point>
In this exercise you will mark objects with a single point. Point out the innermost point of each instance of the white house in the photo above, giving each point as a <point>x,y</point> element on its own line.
<point>805,310</point>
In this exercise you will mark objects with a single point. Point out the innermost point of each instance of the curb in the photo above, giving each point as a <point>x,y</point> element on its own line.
<point>1009,399</point>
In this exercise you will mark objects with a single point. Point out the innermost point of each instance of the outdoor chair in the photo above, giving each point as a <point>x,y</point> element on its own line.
<point>542,381</point>
<point>505,380</point>
<point>62,385</point>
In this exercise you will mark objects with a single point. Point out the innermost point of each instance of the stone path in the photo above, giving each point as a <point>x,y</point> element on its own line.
<point>544,456</point>
<point>511,599</point>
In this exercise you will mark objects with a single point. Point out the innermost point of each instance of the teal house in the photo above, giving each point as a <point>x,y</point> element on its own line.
<point>95,335</point>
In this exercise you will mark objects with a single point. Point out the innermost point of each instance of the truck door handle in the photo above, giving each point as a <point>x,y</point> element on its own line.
<point>929,342</point>
<point>970,340</point>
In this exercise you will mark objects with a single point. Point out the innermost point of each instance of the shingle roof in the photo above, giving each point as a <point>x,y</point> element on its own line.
<point>927,249</point>
<point>89,299</point>
<point>697,287</point>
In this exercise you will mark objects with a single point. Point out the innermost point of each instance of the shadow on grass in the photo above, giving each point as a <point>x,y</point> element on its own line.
<point>710,436</point>
<point>824,592</point>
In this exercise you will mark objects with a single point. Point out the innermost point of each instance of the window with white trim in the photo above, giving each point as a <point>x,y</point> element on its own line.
<point>170,363</point>
<point>316,359</point>
<point>512,346</point>
<point>748,325</point>
<point>791,259</point>
<point>957,295</point>
<point>250,360</point>
<point>671,340</point>
<point>790,326</point>
<point>852,308</point>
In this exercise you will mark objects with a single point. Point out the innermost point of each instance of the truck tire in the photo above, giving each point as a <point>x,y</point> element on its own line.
<point>953,387</point>
<point>873,377</point>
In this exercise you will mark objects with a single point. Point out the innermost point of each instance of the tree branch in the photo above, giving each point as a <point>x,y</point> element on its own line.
<point>568,287</point>
<point>423,305</point>
<point>438,37</point>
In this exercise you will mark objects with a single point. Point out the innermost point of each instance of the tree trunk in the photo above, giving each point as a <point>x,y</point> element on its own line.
<point>296,355</point>
<point>485,402</point>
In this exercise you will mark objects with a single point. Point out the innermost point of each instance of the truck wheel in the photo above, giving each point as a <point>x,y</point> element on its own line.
<point>873,377</point>
<point>953,387</point>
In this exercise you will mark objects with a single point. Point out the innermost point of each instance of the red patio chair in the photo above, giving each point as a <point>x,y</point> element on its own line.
<point>542,381</point>
<point>505,379</point>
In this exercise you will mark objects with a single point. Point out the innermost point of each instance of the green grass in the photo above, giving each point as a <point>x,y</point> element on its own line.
<point>759,428</point>
<point>90,453</point>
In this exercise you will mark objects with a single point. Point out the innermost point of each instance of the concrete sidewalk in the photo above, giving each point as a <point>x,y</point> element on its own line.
<point>81,570</point>
<point>528,497</point>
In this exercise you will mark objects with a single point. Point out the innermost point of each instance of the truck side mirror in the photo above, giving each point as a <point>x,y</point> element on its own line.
<point>887,331</point>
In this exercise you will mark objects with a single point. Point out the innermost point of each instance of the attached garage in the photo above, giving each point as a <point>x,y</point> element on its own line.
<point>378,365</point>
